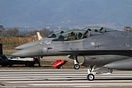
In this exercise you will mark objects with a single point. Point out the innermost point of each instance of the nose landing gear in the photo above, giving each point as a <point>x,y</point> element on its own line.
<point>78,60</point>
<point>76,65</point>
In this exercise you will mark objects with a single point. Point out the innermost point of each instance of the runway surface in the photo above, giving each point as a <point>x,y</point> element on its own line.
<point>63,78</point>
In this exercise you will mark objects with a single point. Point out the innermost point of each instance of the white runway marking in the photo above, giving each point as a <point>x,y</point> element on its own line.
<point>86,84</point>
<point>62,78</point>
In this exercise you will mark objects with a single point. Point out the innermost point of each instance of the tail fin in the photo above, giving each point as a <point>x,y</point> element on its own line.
<point>39,36</point>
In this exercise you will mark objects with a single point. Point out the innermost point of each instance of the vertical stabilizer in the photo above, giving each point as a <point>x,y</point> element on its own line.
<point>39,35</point>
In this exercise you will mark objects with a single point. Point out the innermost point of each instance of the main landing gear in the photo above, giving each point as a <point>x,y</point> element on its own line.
<point>90,75</point>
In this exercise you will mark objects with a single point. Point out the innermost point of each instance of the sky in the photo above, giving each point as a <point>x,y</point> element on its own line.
<point>65,13</point>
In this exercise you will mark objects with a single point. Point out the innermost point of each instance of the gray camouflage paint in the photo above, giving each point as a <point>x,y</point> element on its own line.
<point>110,49</point>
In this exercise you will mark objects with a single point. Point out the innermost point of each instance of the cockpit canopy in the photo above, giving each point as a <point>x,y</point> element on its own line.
<point>75,34</point>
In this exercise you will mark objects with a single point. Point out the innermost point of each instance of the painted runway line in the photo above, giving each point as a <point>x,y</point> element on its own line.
<point>62,78</point>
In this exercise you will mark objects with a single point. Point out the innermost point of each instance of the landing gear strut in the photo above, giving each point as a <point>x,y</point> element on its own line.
<point>76,64</point>
<point>78,60</point>
<point>90,75</point>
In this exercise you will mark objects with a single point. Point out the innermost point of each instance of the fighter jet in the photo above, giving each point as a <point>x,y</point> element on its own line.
<point>95,49</point>
<point>50,37</point>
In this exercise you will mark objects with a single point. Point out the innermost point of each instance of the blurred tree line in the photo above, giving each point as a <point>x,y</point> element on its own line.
<point>15,32</point>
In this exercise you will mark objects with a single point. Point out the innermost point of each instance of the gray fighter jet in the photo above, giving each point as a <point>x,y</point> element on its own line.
<point>98,48</point>
<point>54,35</point>
<point>39,41</point>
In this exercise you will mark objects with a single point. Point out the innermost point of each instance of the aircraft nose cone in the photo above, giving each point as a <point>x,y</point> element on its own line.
<point>27,45</point>
<point>29,52</point>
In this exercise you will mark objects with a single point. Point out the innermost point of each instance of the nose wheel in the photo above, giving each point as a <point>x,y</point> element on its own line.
<point>76,66</point>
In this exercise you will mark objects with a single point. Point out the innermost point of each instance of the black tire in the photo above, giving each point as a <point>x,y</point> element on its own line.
<point>90,77</point>
<point>76,66</point>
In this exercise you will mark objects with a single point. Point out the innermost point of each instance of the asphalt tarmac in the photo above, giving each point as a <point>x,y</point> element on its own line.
<point>62,78</point>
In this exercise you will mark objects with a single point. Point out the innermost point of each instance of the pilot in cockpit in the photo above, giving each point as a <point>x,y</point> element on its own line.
<point>72,36</point>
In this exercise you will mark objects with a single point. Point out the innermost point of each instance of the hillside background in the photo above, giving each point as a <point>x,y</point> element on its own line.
<point>65,13</point>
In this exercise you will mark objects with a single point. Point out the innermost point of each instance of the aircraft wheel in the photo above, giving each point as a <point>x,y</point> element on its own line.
<point>76,66</point>
<point>90,77</point>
